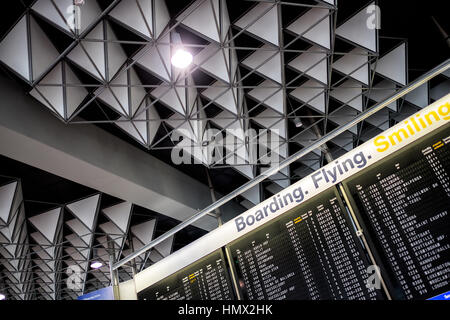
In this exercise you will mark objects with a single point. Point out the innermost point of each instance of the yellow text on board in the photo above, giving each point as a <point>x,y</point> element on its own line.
<point>411,126</point>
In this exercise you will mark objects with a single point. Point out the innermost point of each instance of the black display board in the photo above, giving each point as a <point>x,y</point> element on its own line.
<point>310,252</point>
<point>206,279</point>
<point>403,203</point>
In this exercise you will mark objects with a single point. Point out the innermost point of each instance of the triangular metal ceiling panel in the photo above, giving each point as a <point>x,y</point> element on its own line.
<point>137,92</point>
<point>163,249</point>
<point>14,49</point>
<point>43,266</point>
<point>222,95</point>
<point>247,204</point>
<point>43,53</point>
<point>125,88</point>
<point>156,59</point>
<point>344,140</point>
<point>383,90</point>
<point>343,116</point>
<point>307,137</point>
<point>6,200</point>
<point>280,179</point>
<point>119,214</point>
<point>313,63</point>
<point>3,239</point>
<point>253,195</point>
<point>173,97</point>
<point>314,26</point>
<point>407,111</point>
<point>78,251</point>
<point>47,223</point>
<point>113,232</point>
<point>144,231</point>
<point>440,90</point>
<point>51,10</point>
<point>10,250</point>
<point>275,143</point>
<point>86,210</point>
<point>154,121</point>
<point>61,96</point>
<point>419,96</point>
<point>355,65</point>
<point>270,94</point>
<point>182,127</point>
<point>201,17</point>
<point>393,65</point>
<point>311,93</point>
<point>446,73</point>
<point>226,120</point>
<point>42,253</point>
<point>51,96</point>
<point>266,25</point>
<point>273,121</point>
<point>350,92</point>
<point>274,188</point>
<point>380,119</point>
<point>245,170</point>
<point>266,61</point>
<point>161,17</point>
<point>80,229</point>
<point>74,94</point>
<point>116,95</point>
<point>223,20</point>
<point>136,14</point>
<point>214,61</point>
<point>313,164</point>
<point>116,55</point>
<point>356,30</point>
<point>90,55</point>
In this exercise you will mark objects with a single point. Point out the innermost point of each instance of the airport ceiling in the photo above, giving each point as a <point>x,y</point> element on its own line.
<point>293,70</point>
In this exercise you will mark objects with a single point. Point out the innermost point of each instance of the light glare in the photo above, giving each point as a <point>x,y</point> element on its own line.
<point>96,265</point>
<point>2,296</point>
<point>181,59</point>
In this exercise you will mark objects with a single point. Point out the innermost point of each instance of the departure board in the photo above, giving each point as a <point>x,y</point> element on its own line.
<point>206,279</point>
<point>311,252</point>
<point>403,203</point>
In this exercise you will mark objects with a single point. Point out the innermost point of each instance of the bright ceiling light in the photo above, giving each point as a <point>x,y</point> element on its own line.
<point>298,122</point>
<point>2,296</point>
<point>96,265</point>
<point>181,59</point>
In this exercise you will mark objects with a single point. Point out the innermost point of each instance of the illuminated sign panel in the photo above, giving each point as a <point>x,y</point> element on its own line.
<point>404,204</point>
<point>371,154</point>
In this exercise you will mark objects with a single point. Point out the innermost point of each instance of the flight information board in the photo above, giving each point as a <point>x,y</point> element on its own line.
<point>206,279</point>
<point>403,202</point>
<point>311,252</point>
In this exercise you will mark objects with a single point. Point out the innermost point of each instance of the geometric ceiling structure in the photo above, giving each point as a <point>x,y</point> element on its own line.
<point>258,68</point>
<point>46,254</point>
<point>14,241</point>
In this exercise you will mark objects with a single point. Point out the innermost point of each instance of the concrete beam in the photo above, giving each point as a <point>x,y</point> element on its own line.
<point>95,158</point>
